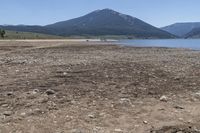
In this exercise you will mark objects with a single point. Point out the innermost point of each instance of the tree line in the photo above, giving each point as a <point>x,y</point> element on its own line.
<point>2,33</point>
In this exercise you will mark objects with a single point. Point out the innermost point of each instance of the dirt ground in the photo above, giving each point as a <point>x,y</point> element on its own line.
<point>88,87</point>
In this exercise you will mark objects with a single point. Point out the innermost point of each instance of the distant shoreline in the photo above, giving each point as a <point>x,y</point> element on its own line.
<point>60,40</point>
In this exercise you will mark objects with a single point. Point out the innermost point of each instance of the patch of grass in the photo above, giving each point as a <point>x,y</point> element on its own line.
<point>28,35</point>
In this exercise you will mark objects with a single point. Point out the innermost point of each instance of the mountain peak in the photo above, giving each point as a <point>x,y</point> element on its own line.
<point>107,10</point>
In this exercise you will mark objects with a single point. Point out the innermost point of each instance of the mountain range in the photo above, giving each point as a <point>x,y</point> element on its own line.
<point>184,30</point>
<point>98,23</point>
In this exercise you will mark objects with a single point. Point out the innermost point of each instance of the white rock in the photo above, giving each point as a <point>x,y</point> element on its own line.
<point>91,116</point>
<point>197,93</point>
<point>118,130</point>
<point>163,98</point>
<point>145,122</point>
<point>23,114</point>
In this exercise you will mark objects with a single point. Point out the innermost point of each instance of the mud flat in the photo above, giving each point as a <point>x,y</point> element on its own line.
<point>88,87</point>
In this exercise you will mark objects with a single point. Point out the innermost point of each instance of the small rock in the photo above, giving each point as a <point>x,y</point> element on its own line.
<point>23,114</point>
<point>4,105</point>
<point>9,93</point>
<point>35,91</point>
<point>178,107</point>
<point>177,78</point>
<point>43,99</point>
<point>137,126</point>
<point>163,99</point>
<point>91,116</point>
<point>118,130</point>
<point>36,111</point>
<point>50,92</point>
<point>179,132</point>
<point>197,93</point>
<point>76,131</point>
<point>145,122</point>
<point>180,119</point>
<point>7,113</point>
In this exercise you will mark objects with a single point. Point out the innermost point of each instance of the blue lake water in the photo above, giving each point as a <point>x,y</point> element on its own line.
<point>172,43</point>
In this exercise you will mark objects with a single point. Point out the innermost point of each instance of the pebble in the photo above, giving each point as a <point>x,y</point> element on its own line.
<point>7,113</point>
<point>178,107</point>
<point>35,91</point>
<point>163,98</point>
<point>197,93</point>
<point>91,116</point>
<point>23,114</point>
<point>4,105</point>
<point>118,130</point>
<point>179,132</point>
<point>9,93</point>
<point>50,92</point>
<point>76,131</point>
<point>145,122</point>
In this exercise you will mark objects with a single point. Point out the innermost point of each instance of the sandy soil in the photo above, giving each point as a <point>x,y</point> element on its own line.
<point>79,87</point>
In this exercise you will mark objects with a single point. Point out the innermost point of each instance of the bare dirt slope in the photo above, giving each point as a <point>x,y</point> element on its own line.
<point>71,87</point>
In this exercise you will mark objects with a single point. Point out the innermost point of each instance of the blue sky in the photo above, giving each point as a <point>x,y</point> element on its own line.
<point>41,12</point>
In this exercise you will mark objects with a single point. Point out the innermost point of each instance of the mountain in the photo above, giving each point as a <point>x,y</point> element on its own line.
<point>107,22</point>
<point>195,33</point>
<point>181,29</point>
<point>97,23</point>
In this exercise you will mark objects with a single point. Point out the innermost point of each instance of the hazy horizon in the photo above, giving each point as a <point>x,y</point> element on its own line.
<point>158,13</point>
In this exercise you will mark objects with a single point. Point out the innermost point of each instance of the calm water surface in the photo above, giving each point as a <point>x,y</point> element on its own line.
<point>172,43</point>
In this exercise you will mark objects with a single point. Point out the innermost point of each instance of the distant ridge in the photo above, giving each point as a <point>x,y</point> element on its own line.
<point>98,23</point>
<point>181,29</point>
<point>195,33</point>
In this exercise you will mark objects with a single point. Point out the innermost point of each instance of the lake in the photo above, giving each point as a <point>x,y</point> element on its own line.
<point>172,43</point>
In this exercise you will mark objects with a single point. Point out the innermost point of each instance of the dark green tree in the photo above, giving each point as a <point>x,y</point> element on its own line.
<point>2,33</point>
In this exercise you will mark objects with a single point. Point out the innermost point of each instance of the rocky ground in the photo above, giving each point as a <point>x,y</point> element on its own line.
<point>71,87</point>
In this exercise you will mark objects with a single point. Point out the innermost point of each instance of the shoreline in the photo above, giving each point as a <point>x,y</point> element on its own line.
<point>58,40</point>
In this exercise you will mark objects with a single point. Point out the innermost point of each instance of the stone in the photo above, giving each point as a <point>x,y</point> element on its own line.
<point>178,107</point>
<point>23,114</point>
<point>76,131</point>
<point>9,93</point>
<point>7,113</point>
<point>50,92</point>
<point>35,91</point>
<point>179,132</point>
<point>118,130</point>
<point>145,122</point>
<point>197,93</point>
<point>4,105</point>
<point>91,116</point>
<point>163,98</point>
